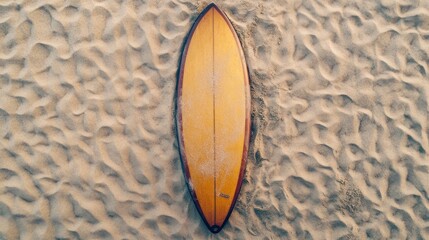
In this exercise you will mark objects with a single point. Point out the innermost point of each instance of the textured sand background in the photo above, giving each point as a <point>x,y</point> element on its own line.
<point>339,146</point>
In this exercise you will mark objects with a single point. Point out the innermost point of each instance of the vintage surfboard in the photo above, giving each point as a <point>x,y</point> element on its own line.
<point>213,115</point>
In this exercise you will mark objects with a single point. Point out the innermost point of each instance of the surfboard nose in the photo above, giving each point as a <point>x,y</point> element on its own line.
<point>210,5</point>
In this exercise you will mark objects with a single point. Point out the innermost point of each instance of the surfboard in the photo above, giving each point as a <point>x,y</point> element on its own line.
<point>213,116</point>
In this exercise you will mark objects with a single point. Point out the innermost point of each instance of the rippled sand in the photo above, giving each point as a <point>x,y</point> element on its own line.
<point>339,146</point>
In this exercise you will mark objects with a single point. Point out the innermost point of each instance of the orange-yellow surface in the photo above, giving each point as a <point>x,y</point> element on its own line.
<point>213,106</point>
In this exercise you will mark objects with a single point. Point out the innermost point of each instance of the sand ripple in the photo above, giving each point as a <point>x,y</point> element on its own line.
<point>340,120</point>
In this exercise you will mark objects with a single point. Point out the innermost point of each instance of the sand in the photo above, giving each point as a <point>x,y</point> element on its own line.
<point>340,137</point>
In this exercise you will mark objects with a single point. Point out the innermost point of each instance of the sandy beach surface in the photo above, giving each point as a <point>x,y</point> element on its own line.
<point>340,138</point>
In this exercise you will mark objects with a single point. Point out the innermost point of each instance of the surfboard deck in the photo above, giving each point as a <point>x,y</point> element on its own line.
<point>213,115</point>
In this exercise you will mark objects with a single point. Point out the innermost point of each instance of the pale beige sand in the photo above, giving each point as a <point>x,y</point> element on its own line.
<point>339,149</point>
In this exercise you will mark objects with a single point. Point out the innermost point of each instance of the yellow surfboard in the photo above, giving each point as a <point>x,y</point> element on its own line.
<point>213,115</point>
